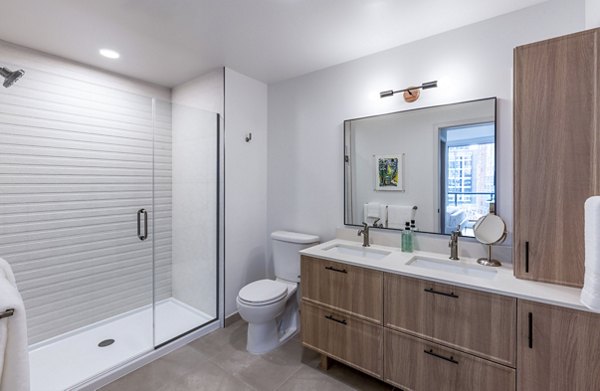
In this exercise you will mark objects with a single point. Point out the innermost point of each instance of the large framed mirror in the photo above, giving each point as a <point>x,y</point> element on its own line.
<point>433,167</point>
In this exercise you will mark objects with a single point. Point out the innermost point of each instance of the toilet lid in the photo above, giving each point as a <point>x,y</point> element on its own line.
<point>262,291</point>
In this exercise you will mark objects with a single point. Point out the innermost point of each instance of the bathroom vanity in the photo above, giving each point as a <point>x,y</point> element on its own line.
<point>421,322</point>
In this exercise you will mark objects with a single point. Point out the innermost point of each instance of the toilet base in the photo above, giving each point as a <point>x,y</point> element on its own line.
<point>264,337</point>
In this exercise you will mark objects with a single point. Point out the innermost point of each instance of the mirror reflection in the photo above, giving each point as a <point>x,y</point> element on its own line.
<point>433,168</point>
<point>489,230</point>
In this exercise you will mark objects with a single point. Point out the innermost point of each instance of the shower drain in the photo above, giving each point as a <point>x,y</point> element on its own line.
<point>106,342</point>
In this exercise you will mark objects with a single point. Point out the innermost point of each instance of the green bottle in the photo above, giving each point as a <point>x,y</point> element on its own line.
<point>407,239</point>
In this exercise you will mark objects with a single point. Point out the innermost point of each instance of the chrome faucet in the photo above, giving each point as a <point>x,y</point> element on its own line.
<point>365,233</point>
<point>454,243</point>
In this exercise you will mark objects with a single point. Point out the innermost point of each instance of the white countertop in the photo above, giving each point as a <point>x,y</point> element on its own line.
<point>503,283</point>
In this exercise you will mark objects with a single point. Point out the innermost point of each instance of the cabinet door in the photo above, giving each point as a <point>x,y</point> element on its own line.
<point>558,348</point>
<point>468,320</point>
<point>415,364</point>
<point>555,155</point>
<point>348,339</point>
<point>355,290</point>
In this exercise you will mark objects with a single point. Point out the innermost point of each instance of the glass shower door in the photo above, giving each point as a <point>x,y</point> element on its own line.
<point>186,219</point>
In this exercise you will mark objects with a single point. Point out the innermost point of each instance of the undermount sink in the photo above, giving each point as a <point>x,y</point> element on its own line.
<point>357,251</point>
<point>452,267</point>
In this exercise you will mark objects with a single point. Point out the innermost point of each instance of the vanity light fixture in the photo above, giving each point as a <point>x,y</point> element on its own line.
<point>411,94</point>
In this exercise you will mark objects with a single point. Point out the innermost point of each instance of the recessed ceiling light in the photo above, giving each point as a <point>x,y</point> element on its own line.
<point>108,53</point>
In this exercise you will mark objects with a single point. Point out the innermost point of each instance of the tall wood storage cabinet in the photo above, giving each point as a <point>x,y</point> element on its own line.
<point>556,147</point>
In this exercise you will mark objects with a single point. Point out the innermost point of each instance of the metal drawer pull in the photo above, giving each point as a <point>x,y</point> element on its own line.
<point>139,224</point>
<point>451,359</point>
<point>333,269</point>
<point>431,290</point>
<point>330,317</point>
<point>530,337</point>
<point>526,257</point>
<point>9,312</point>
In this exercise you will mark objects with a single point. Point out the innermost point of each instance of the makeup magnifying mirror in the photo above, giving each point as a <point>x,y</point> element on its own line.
<point>489,230</point>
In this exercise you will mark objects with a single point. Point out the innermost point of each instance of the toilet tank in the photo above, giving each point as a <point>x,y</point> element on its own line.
<point>286,258</point>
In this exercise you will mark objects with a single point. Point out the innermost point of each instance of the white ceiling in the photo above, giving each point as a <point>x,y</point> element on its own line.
<point>171,41</point>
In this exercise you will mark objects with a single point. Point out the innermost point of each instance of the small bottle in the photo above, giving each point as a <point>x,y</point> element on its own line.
<point>407,239</point>
<point>413,226</point>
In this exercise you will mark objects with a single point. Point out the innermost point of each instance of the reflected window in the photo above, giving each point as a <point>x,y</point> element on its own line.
<point>469,178</point>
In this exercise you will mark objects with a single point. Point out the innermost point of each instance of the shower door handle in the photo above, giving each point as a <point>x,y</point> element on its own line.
<point>139,224</point>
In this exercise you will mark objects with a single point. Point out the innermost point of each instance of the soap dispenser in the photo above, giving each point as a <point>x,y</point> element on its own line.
<point>407,239</point>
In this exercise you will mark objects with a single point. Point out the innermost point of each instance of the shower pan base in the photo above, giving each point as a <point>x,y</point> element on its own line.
<point>70,359</point>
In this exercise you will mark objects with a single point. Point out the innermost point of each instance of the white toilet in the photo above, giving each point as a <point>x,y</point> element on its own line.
<point>271,306</point>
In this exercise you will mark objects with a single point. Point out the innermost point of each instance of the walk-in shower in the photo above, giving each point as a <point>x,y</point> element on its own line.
<point>109,217</point>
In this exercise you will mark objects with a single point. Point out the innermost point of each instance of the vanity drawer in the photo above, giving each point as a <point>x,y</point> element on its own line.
<point>476,322</point>
<point>415,364</point>
<point>353,290</point>
<point>346,338</point>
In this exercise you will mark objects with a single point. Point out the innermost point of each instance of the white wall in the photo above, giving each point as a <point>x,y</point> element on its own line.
<point>76,158</point>
<point>205,92</point>
<point>592,14</point>
<point>245,183</point>
<point>306,114</point>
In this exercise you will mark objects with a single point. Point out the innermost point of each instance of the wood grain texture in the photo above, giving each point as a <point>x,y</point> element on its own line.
<point>565,353</point>
<point>555,154</point>
<point>355,342</point>
<point>325,362</point>
<point>356,291</point>
<point>408,366</point>
<point>475,322</point>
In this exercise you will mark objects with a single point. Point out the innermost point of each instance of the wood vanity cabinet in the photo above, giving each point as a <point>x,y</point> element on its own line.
<point>558,348</point>
<point>415,364</point>
<point>419,335</point>
<point>476,322</point>
<point>353,290</point>
<point>556,147</point>
<point>342,313</point>
<point>346,338</point>
<point>435,336</point>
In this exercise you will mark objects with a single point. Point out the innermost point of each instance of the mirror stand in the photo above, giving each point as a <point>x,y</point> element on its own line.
<point>489,261</point>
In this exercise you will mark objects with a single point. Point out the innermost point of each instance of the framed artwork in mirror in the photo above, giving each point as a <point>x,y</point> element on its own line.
<point>388,172</point>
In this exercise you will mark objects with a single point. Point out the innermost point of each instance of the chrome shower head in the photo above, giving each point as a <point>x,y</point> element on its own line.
<point>10,77</point>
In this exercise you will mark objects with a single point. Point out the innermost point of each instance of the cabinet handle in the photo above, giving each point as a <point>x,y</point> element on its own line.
<point>330,317</point>
<point>450,359</point>
<point>431,290</point>
<point>526,257</point>
<point>530,327</point>
<point>333,269</point>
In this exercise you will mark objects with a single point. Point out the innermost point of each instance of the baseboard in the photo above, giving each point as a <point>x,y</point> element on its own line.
<point>231,319</point>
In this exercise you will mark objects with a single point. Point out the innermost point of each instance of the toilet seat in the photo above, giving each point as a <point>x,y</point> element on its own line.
<point>263,292</point>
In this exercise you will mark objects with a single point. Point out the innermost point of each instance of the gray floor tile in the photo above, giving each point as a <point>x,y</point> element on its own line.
<point>310,379</point>
<point>211,378</point>
<point>356,379</point>
<point>219,361</point>
<point>162,373</point>
<point>263,372</point>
